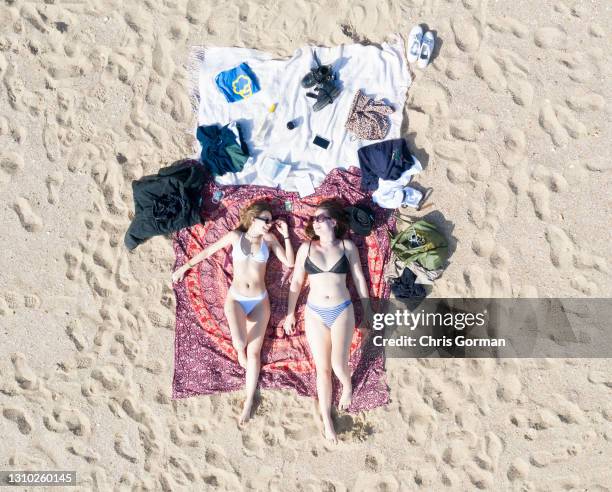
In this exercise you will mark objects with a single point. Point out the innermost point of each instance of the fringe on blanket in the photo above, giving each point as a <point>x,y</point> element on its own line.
<point>197,55</point>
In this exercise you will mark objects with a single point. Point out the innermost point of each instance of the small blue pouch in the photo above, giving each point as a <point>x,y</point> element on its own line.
<point>238,83</point>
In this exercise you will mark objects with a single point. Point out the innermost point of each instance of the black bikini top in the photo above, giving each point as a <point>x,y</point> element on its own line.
<point>341,266</point>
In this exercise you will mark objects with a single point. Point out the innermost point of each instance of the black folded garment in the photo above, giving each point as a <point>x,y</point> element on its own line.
<point>385,160</point>
<point>404,286</point>
<point>168,206</point>
<point>167,201</point>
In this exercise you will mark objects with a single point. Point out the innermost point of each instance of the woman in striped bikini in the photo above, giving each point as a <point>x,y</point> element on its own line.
<point>329,317</point>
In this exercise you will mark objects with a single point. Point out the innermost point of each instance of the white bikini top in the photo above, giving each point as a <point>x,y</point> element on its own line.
<point>260,256</point>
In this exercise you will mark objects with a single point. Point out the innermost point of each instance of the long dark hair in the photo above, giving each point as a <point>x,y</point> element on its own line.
<point>335,209</point>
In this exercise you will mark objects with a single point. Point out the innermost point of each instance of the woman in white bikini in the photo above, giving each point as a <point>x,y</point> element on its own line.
<point>329,318</point>
<point>247,306</point>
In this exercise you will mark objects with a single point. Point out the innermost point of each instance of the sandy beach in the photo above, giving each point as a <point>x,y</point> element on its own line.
<point>511,122</point>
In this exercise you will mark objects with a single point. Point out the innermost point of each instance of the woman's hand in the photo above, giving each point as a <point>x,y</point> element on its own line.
<point>179,274</point>
<point>282,227</point>
<point>289,324</point>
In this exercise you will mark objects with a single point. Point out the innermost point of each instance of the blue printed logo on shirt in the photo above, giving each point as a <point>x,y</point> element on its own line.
<point>237,83</point>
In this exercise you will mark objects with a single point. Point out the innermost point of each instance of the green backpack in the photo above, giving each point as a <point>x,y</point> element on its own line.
<point>421,241</point>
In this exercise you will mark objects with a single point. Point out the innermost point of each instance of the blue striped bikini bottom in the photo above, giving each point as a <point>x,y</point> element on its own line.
<point>329,314</point>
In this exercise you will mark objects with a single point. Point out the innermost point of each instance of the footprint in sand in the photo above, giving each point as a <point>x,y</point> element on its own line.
<point>3,65</point>
<point>509,388</point>
<point>491,72</point>
<point>24,375</point>
<point>574,128</point>
<point>182,466</point>
<point>483,244</point>
<point>498,199</point>
<point>464,129</point>
<point>80,449</point>
<point>508,24</point>
<point>11,163</point>
<point>502,69</point>
<point>516,144</point>
<point>522,91</point>
<point>550,38</point>
<point>487,284</point>
<point>162,58</point>
<point>124,448</point>
<point>564,255</point>
<point>561,247</point>
<point>467,36</point>
<point>181,106</point>
<point>4,307</point>
<point>31,14</point>
<point>518,470</point>
<point>109,377</point>
<point>73,259</point>
<point>214,456</point>
<point>540,197</point>
<point>374,462</point>
<point>16,415</point>
<point>559,122</point>
<point>30,221</point>
<point>13,299</point>
<point>63,419</point>
<point>597,31</point>
<point>83,155</point>
<point>4,122</point>
<point>430,98</point>
<point>97,278</point>
<point>103,254</point>
<point>585,102</point>
<point>31,301</point>
<point>51,139</point>
<point>54,182</point>
<point>456,69</point>
<point>74,331</point>
<point>576,63</point>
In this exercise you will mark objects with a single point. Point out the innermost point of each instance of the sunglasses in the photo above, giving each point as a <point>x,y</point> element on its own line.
<point>321,218</point>
<point>267,220</point>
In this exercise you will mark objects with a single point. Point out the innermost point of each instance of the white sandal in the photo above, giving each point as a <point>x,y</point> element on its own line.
<point>427,47</point>
<point>414,44</point>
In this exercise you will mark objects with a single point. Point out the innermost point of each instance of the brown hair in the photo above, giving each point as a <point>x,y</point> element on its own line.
<point>336,211</point>
<point>248,214</point>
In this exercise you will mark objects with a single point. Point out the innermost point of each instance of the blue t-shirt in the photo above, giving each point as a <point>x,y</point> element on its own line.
<point>238,83</point>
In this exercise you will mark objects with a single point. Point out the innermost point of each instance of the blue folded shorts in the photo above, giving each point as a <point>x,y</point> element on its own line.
<point>238,83</point>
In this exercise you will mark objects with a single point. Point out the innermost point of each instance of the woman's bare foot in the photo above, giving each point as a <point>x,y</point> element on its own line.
<point>246,412</point>
<point>346,398</point>
<point>330,434</point>
<point>242,357</point>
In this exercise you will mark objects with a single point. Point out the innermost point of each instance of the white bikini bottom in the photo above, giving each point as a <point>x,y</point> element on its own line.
<point>248,303</point>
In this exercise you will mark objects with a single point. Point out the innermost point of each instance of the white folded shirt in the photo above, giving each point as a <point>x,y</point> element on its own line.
<point>390,193</point>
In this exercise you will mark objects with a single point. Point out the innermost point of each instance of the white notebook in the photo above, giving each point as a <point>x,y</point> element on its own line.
<point>274,170</point>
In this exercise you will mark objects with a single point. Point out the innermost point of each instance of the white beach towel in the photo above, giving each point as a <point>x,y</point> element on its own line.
<point>379,72</point>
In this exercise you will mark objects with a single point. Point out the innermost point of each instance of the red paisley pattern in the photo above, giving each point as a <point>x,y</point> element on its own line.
<point>205,360</point>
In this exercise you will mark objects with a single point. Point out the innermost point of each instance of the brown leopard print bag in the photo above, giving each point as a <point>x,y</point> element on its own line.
<point>367,117</point>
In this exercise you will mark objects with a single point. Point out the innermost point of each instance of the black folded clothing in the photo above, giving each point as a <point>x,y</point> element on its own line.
<point>385,160</point>
<point>166,202</point>
<point>405,286</point>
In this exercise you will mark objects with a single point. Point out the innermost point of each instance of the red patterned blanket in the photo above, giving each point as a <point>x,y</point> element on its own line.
<point>205,361</point>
